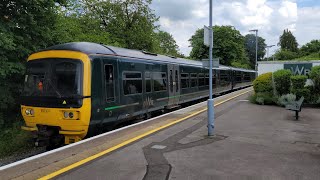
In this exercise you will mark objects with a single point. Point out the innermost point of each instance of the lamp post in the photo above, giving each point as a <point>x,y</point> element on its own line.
<point>268,50</point>
<point>210,100</point>
<point>256,30</point>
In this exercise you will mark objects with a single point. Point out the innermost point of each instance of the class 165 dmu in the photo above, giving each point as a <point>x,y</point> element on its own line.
<point>76,90</point>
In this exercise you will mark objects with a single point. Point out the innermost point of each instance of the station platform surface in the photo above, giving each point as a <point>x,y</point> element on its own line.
<point>250,142</point>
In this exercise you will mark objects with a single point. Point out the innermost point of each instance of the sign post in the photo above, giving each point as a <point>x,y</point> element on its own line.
<point>210,100</point>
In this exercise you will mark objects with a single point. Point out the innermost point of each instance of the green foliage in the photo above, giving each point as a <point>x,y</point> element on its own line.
<point>130,23</point>
<point>282,81</point>
<point>313,47</point>
<point>288,42</point>
<point>298,88</point>
<point>228,45</point>
<point>286,99</point>
<point>250,46</point>
<point>165,44</point>
<point>240,65</point>
<point>315,76</point>
<point>14,140</point>
<point>285,55</point>
<point>263,83</point>
<point>264,98</point>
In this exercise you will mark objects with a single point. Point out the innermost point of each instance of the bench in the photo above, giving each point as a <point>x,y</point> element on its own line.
<point>295,106</point>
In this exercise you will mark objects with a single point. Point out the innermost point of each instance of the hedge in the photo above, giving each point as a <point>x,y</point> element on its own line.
<point>315,76</point>
<point>263,83</point>
<point>282,81</point>
<point>298,88</point>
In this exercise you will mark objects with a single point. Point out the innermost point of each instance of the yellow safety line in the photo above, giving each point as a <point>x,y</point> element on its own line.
<point>79,163</point>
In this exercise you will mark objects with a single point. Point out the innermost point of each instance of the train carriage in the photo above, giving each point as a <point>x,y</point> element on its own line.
<point>75,90</point>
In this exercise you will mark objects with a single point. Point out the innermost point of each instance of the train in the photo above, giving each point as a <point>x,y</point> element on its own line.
<point>76,90</point>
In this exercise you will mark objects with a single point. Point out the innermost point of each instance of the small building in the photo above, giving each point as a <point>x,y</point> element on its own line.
<point>297,67</point>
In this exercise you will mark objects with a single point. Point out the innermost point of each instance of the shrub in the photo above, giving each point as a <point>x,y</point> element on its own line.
<point>286,99</point>
<point>315,76</point>
<point>285,55</point>
<point>264,98</point>
<point>282,81</point>
<point>263,83</point>
<point>298,88</point>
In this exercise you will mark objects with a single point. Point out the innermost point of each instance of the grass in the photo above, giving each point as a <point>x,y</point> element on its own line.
<point>13,140</point>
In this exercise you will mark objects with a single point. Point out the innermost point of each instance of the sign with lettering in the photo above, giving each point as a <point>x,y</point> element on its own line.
<point>299,68</point>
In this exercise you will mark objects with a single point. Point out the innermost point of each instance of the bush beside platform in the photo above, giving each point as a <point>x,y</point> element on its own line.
<point>281,88</point>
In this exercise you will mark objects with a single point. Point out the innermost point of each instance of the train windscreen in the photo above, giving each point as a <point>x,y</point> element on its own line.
<point>53,78</point>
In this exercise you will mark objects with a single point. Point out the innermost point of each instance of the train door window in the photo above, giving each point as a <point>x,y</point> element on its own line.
<point>201,80</point>
<point>171,81</point>
<point>177,80</point>
<point>148,81</point>
<point>206,82</point>
<point>109,82</point>
<point>159,81</point>
<point>238,76</point>
<point>184,80</point>
<point>132,83</point>
<point>193,80</point>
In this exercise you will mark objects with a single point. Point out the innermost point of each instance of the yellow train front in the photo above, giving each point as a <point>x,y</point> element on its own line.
<point>55,102</point>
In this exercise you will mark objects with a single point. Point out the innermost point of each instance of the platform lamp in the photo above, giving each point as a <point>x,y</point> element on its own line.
<point>268,50</point>
<point>256,30</point>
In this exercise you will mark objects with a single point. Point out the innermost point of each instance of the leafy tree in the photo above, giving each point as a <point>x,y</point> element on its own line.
<point>285,55</point>
<point>288,42</point>
<point>74,26</point>
<point>165,44</point>
<point>228,45</point>
<point>25,26</point>
<point>310,48</point>
<point>129,22</point>
<point>250,45</point>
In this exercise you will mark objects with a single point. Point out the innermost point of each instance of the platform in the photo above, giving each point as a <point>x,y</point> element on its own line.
<point>250,142</point>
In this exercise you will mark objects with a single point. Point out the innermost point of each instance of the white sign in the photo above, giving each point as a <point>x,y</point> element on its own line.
<point>206,37</point>
<point>215,63</point>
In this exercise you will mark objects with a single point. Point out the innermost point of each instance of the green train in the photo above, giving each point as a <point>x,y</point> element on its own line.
<point>74,90</point>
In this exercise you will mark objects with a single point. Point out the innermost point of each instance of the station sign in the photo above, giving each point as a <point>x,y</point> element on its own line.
<point>215,63</point>
<point>299,68</point>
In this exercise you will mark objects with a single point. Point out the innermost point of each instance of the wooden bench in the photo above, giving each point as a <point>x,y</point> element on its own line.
<point>295,106</point>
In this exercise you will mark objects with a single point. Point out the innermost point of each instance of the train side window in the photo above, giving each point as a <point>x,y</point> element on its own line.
<point>148,81</point>
<point>207,80</point>
<point>193,80</point>
<point>159,81</point>
<point>109,82</point>
<point>201,79</point>
<point>184,80</point>
<point>132,83</point>
<point>171,81</point>
<point>177,81</point>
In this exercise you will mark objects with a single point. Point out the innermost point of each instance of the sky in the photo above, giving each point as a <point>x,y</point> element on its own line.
<point>182,18</point>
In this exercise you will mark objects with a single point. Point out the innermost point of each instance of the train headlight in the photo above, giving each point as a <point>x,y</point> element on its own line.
<point>29,112</point>
<point>71,115</point>
<point>66,114</point>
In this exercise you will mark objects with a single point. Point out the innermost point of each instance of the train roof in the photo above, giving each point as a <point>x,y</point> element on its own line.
<point>94,48</point>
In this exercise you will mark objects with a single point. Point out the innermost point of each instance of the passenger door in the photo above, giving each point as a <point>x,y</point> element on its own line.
<point>174,84</point>
<point>111,89</point>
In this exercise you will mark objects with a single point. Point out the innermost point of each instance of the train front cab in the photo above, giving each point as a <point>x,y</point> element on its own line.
<point>56,100</point>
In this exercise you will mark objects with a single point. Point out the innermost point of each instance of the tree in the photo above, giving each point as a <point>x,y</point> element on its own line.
<point>288,42</point>
<point>250,46</point>
<point>165,44</point>
<point>228,45</point>
<point>25,27</point>
<point>311,47</point>
<point>74,26</point>
<point>129,22</point>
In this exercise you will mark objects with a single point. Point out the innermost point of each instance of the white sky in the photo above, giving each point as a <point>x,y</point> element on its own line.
<point>182,18</point>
